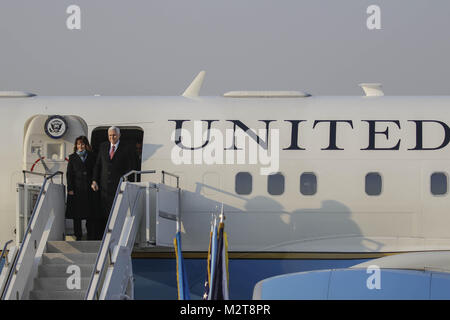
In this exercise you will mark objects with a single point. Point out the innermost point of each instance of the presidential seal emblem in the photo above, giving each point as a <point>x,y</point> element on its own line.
<point>55,127</point>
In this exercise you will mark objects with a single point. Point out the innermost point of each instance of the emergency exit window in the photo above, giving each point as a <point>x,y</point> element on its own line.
<point>438,183</point>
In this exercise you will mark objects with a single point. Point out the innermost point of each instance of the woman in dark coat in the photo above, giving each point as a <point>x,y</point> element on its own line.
<point>81,201</point>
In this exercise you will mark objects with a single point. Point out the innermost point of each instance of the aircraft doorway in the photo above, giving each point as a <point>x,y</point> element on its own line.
<point>132,136</point>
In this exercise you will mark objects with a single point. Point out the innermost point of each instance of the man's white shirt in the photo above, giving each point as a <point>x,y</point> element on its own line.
<point>115,146</point>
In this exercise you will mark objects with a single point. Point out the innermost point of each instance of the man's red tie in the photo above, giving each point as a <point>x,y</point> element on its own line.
<point>111,154</point>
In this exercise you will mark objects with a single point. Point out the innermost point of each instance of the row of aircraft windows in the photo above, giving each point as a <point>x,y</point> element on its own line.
<point>308,183</point>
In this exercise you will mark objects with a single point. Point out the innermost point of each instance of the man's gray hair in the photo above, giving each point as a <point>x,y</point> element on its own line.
<point>113,128</point>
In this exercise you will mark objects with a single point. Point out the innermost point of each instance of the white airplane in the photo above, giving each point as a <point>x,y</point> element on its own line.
<point>352,178</point>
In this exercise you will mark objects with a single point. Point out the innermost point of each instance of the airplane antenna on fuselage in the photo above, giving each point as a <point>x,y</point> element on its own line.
<point>372,89</point>
<point>195,86</point>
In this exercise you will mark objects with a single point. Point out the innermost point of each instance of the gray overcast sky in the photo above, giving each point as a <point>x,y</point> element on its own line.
<point>157,47</point>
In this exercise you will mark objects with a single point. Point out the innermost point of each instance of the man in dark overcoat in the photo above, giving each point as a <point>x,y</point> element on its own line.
<point>114,160</point>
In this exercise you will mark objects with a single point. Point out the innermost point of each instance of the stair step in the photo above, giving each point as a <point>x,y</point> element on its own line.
<point>60,270</point>
<point>73,246</point>
<point>69,258</point>
<point>57,284</point>
<point>57,295</point>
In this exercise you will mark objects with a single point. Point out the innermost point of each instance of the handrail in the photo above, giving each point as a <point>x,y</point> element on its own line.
<point>30,222</point>
<point>99,263</point>
<point>4,250</point>
<point>50,176</point>
<point>6,264</point>
<point>170,174</point>
<point>203,185</point>
<point>135,172</point>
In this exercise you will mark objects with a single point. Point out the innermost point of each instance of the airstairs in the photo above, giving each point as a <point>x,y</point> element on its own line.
<point>53,282</point>
<point>45,266</point>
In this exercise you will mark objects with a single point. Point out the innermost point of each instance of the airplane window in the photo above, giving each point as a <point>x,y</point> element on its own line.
<point>438,183</point>
<point>243,183</point>
<point>275,184</point>
<point>373,184</point>
<point>308,184</point>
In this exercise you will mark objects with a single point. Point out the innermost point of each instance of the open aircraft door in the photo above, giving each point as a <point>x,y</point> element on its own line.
<point>168,214</point>
<point>48,142</point>
<point>159,225</point>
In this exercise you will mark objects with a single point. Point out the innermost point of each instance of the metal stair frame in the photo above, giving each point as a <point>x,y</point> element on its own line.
<point>46,223</point>
<point>65,270</point>
<point>112,277</point>
<point>9,258</point>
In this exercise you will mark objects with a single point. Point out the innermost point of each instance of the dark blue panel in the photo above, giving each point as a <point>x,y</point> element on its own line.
<point>440,286</point>
<point>156,278</point>
<point>244,274</point>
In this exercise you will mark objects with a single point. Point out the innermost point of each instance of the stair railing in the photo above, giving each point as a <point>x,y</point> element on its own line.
<point>105,256</point>
<point>26,243</point>
<point>4,255</point>
<point>4,269</point>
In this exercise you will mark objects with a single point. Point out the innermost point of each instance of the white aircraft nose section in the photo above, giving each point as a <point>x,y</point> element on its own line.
<point>372,89</point>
